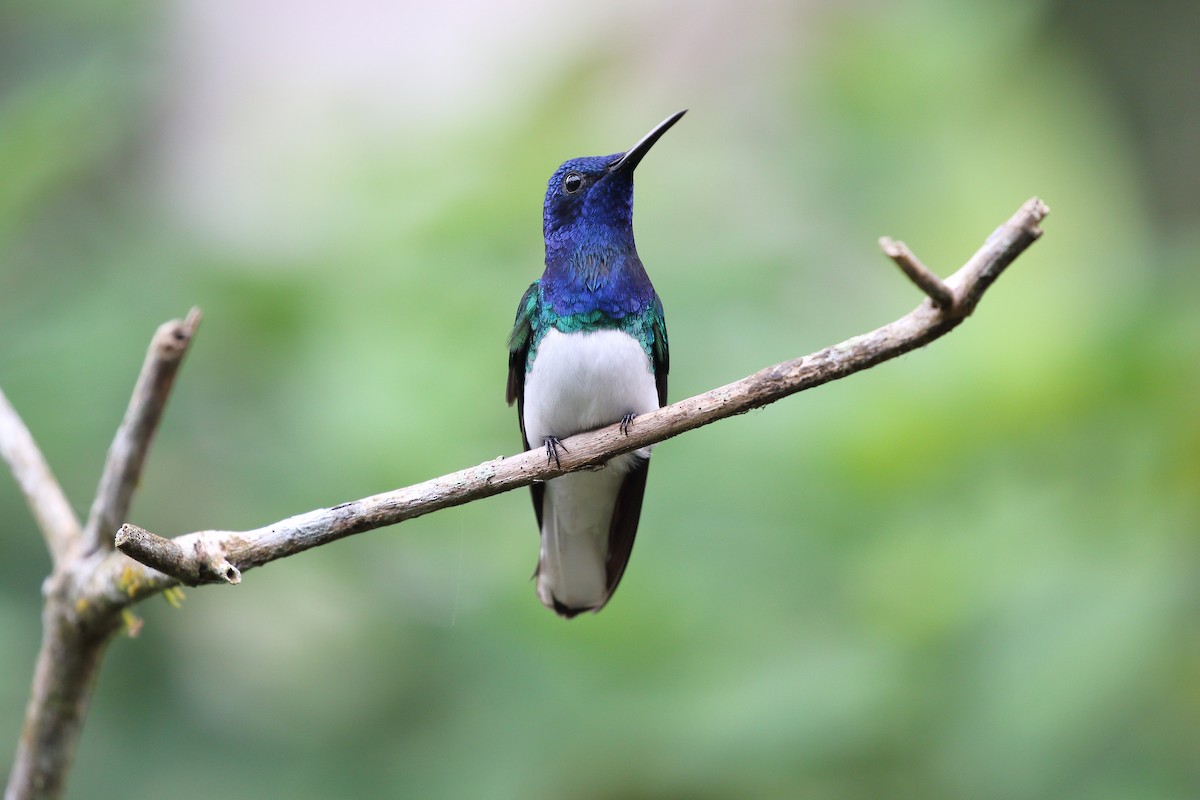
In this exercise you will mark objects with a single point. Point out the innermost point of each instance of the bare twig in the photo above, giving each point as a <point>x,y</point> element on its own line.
<point>918,273</point>
<point>127,454</point>
<point>249,549</point>
<point>193,566</point>
<point>45,497</point>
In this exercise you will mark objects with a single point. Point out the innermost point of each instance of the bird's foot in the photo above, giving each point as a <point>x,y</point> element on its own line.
<point>552,445</point>
<point>626,421</point>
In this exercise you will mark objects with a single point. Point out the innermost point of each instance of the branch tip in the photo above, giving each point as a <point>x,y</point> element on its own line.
<point>127,454</point>
<point>172,337</point>
<point>1035,210</point>
<point>134,541</point>
<point>231,574</point>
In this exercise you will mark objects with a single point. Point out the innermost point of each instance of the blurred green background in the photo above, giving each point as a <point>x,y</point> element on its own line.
<point>971,572</point>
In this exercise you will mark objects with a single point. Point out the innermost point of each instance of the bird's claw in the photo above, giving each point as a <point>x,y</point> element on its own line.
<point>626,421</point>
<point>552,445</point>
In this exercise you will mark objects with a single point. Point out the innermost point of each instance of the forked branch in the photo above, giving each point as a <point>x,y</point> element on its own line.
<point>82,604</point>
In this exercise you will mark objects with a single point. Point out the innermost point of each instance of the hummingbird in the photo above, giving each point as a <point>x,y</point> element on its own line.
<point>588,349</point>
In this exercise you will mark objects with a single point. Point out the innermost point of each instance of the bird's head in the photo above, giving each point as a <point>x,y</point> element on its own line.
<point>592,197</point>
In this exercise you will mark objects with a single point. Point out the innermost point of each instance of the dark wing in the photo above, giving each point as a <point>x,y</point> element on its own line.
<point>623,528</point>
<point>518,347</point>
<point>628,508</point>
<point>661,352</point>
<point>518,353</point>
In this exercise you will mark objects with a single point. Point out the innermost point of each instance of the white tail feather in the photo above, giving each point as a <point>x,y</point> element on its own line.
<point>576,514</point>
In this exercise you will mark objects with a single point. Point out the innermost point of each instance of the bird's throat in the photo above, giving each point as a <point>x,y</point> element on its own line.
<point>594,265</point>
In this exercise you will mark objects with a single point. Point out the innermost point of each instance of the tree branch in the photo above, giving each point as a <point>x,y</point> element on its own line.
<point>127,454</point>
<point>83,603</point>
<point>200,557</point>
<point>45,497</point>
<point>67,665</point>
<point>91,587</point>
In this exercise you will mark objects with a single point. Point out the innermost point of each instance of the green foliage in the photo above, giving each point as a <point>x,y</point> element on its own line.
<point>968,573</point>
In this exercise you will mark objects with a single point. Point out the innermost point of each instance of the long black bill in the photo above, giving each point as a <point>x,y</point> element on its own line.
<point>634,155</point>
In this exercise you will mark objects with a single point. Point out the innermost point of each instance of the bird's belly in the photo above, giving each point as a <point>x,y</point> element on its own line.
<point>582,381</point>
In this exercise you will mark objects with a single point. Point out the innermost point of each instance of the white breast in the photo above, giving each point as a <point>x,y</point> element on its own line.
<point>582,381</point>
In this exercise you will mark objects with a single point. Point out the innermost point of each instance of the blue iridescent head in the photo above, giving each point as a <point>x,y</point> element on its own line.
<point>592,197</point>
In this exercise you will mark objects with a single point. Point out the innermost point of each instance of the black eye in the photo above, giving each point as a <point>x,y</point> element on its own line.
<point>572,183</point>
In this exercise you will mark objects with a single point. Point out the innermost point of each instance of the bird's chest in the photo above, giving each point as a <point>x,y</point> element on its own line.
<point>583,380</point>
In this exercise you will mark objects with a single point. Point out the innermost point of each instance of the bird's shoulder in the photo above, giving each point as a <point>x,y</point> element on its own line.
<point>527,312</point>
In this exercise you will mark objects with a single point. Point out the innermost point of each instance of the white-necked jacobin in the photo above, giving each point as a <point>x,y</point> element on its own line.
<point>588,349</point>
